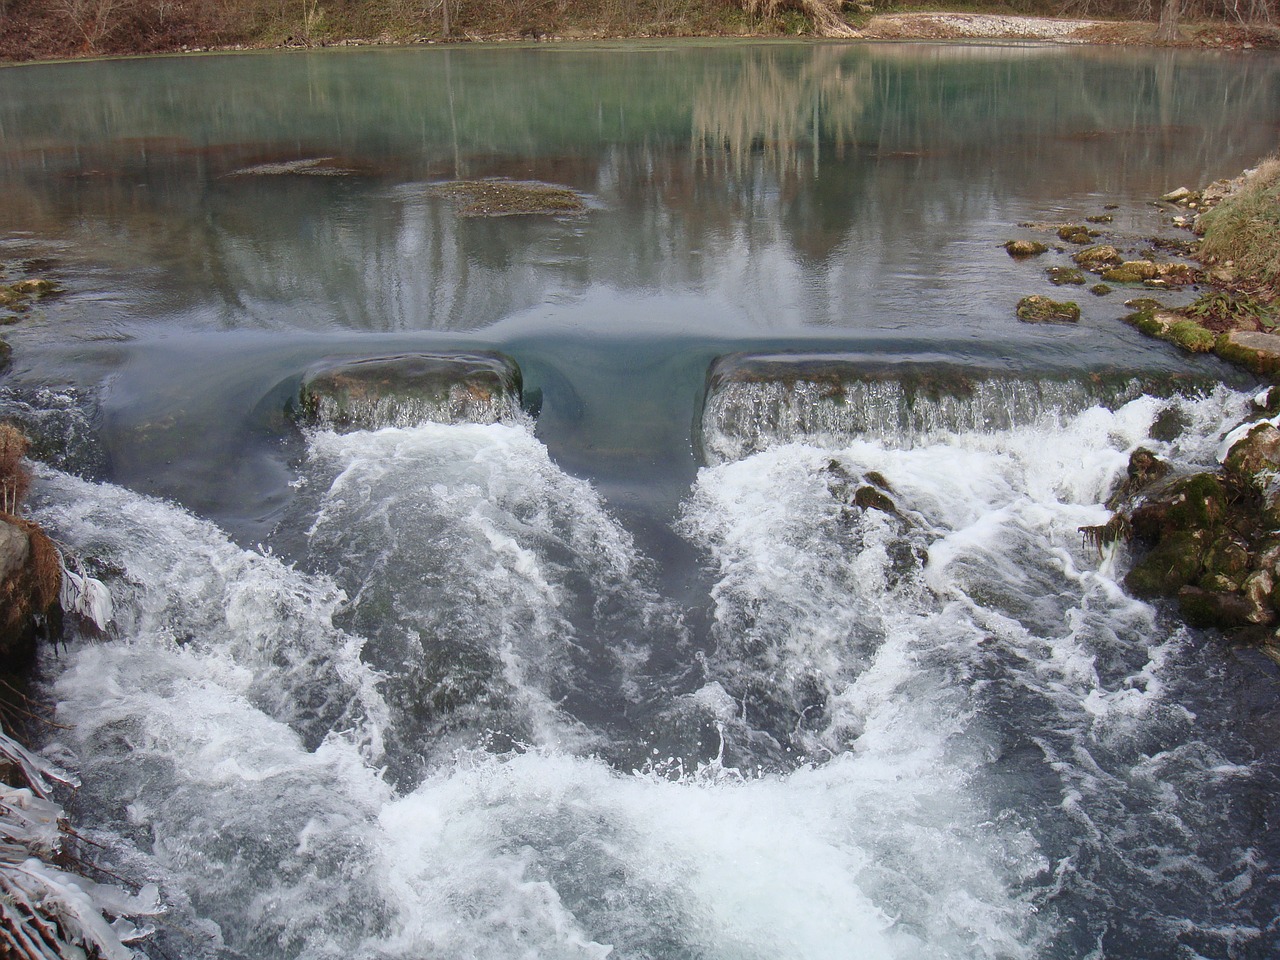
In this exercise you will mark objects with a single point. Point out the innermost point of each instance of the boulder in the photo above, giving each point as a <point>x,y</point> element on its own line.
<point>1021,249</point>
<point>408,390</point>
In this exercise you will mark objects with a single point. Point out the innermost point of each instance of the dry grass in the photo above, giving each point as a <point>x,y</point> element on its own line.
<point>1244,228</point>
<point>15,475</point>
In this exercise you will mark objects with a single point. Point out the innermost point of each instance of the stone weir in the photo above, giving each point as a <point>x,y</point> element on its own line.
<point>410,389</point>
<point>755,400</point>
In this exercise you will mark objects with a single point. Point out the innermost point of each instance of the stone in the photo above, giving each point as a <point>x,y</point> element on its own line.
<point>1076,233</point>
<point>1255,457</point>
<point>1097,258</point>
<point>1223,610</point>
<point>1178,195</point>
<point>1037,309</point>
<point>1258,352</point>
<point>1060,276</point>
<point>1172,564</point>
<point>1131,271</point>
<point>1021,249</point>
<point>409,390</point>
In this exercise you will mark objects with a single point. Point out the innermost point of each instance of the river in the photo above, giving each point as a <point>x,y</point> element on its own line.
<point>681,661</point>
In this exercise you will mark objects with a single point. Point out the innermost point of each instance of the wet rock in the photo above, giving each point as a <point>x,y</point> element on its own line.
<point>1099,289</point>
<point>1100,218</point>
<point>1021,249</point>
<point>1145,469</point>
<point>1097,258</point>
<point>1131,271</point>
<point>869,498</point>
<point>1172,327</point>
<point>6,355</point>
<point>411,389</point>
<point>1259,352</point>
<point>1061,276</point>
<point>500,198</point>
<point>1179,195</point>
<point>1221,609</point>
<point>1076,233</point>
<point>1255,458</point>
<point>1037,309</point>
<point>1172,564</point>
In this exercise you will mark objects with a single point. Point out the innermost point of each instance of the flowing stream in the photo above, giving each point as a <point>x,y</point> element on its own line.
<point>700,654</point>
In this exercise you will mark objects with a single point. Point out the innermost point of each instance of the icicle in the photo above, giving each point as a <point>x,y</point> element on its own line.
<point>84,596</point>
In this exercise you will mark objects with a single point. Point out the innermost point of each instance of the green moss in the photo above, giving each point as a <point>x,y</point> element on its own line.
<point>1099,289</point>
<point>1259,362</point>
<point>1131,271</point>
<point>1076,233</point>
<point>1189,335</point>
<point>1021,249</point>
<point>1171,565</point>
<point>1097,258</point>
<point>1100,218</point>
<point>1036,309</point>
<point>1060,276</point>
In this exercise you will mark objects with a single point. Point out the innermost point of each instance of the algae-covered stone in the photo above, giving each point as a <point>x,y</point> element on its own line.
<point>1172,564</point>
<point>1255,457</point>
<point>1220,609</point>
<point>1099,289</point>
<point>411,389</point>
<point>1061,276</point>
<point>1259,352</point>
<point>1097,258</point>
<point>1190,336</point>
<point>1076,233</point>
<point>1131,271</point>
<point>1037,309</point>
<point>1021,249</point>
<point>1100,218</point>
<point>1196,502</point>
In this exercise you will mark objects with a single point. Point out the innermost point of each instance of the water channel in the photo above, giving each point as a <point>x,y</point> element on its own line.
<point>633,673</point>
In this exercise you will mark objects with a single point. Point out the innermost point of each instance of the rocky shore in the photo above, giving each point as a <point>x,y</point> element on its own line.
<point>1209,540</point>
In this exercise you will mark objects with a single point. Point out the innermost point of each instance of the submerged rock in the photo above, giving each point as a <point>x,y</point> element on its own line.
<point>1076,233</point>
<point>1060,276</point>
<point>501,198</point>
<point>411,389</point>
<point>1037,309</point>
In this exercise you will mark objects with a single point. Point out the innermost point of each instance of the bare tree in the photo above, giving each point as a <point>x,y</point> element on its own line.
<point>92,19</point>
<point>1170,12</point>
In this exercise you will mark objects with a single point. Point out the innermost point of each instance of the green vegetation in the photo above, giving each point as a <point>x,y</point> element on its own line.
<point>1244,228</point>
<point>1036,309</point>
<point>500,198</point>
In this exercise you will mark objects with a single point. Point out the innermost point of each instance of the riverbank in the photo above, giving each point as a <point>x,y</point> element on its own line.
<point>34,31</point>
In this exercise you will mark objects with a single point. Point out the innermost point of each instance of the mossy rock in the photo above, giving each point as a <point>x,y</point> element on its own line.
<point>1172,564</point>
<point>1037,309</point>
<point>1227,558</point>
<point>1021,249</point>
<point>1196,503</point>
<point>1100,218</point>
<point>1219,609</point>
<point>1190,336</point>
<point>1131,271</point>
<point>1100,290</point>
<point>1097,258</point>
<point>6,355</point>
<point>1258,352</point>
<point>1255,457</point>
<point>1076,233</point>
<point>1061,276</point>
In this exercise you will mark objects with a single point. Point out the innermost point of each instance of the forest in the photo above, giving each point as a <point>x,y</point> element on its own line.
<point>41,29</point>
